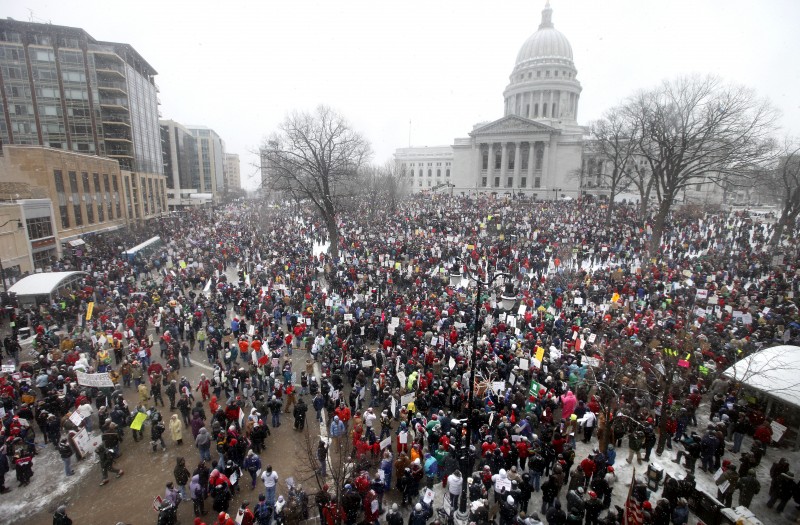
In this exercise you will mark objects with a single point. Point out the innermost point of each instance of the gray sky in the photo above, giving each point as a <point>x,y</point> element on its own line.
<point>240,66</point>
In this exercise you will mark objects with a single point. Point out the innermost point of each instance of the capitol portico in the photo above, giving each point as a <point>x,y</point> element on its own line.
<point>534,149</point>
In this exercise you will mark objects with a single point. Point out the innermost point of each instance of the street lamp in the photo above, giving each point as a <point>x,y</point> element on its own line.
<point>507,300</point>
<point>557,190</point>
<point>3,270</point>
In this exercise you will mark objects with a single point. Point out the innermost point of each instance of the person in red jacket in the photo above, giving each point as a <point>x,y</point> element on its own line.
<point>224,519</point>
<point>248,518</point>
<point>763,434</point>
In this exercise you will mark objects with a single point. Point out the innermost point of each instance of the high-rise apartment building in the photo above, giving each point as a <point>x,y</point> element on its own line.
<point>233,179</point>
<point>181,166</point>
<point>211,159</point>
<point>79,127</point>
<point>63,89</point>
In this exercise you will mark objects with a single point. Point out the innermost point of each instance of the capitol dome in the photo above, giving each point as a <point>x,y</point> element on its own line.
<point>544,83</point>
<point>546,43</point>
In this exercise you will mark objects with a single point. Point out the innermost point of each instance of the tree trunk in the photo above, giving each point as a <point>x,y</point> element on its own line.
<point>611,197</point>
<point>333,236</point>
<point>662,424</point>
<point>658,227</point>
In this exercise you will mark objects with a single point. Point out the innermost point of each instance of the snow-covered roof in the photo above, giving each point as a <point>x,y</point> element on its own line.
<point>43,283</point>
<point>774,371</point>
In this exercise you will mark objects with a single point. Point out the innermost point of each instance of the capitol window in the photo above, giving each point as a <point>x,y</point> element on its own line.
<point>538,74</point>
<point>447,173</point>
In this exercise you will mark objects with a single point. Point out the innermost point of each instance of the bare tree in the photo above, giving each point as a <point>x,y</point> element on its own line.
<point>696,129</point>
<point>615,141</point>
<point>784,181</point>
<point>316,157</point>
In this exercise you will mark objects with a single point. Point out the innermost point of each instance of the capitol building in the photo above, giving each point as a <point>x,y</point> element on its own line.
<point>535,149</point>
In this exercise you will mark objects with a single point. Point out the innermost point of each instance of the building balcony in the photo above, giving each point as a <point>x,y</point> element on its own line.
<point>112,120</point>
<point>112,87</point>
<point>109,71</point>
<point>117,137</point>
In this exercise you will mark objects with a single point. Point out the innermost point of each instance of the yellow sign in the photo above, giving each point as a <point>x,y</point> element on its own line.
<point>539,353</point>
<point>615,297</point>
<point>138,421</point>
<point>396,266</point>
<point>89,310</point>
<point>183,264</point>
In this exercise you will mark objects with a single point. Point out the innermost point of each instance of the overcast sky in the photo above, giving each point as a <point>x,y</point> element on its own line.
<point>239,67</point>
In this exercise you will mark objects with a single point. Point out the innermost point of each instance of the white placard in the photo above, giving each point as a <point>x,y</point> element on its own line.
<point>592,338</point>
<point>777,431</point>
<point>95,380</point>
<point>451,363</point>
<point>524,364</point>
<point>76,418</point>
<point>366,363</point>
<point>8,368</point>
<point>499,386</point>
<point>402,377</point>
<point>591,361</point>
<point>408,398</point>
<point>385,443</point>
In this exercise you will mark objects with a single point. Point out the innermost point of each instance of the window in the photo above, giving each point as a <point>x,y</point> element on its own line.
<point>429,183</point>
<point>511,161</point>
<point>509,182</point>
<point>62,199</point>
<point>528,110</point>
<point>537,182</point>
<point>698,187</point>
<point>107,187</point>
<point>523,182</point>
<point>101,211</point>
<point>39,228</point>
<point>76,201</point>
<point>485,160</point>
<point>538,74</point>
<point>554,110</point>
<point>87,198</point>
<point>556,73</point>
<point>117,200</point>
<point>483,181</point>
<point>498,159</point>
<point>420,173</point>
<point>496,182</point>
<point>544,109</point>
<point>535,109</point>
<point>429,172</point>
<point>438,173</point>
<point>420,183</point>
<point>447,173</point>
<point>547,73</point>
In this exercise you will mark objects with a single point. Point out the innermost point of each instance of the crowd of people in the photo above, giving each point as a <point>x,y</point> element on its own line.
<point>606,349</point>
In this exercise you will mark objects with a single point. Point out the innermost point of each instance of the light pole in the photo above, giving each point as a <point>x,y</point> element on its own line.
<point>507,300</point>
<point>2,269</point>
<point>557,190</point>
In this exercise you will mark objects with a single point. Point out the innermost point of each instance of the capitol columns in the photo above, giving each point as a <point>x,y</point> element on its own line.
<point>546,164</point>
<point>531,163</point>
<point>503,163</point>
<point>478,163</point>
<point>490,165</point>
<point>517,162</point>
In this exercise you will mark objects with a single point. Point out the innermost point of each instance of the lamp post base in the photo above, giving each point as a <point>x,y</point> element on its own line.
<point>461,518</point>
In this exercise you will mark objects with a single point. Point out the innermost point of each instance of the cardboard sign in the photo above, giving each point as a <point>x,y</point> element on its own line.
<point>76,418</point>
<point>86,443</point>
<point>95,380</point>
<point>524,364</point>
<point>138,421</point>
<point>778,431</point>
<point>499,386</point>
<point>386,442</point>
<point>408,398</point>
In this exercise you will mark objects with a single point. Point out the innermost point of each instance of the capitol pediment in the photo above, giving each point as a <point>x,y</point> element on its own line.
<point>512,124</point>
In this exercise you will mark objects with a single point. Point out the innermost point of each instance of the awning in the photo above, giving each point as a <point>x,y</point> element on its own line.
<point>76,242</point>
<point>773,371</point>
<point>44,283</point>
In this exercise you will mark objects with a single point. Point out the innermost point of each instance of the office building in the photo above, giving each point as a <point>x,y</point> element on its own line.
<point>210,160</point>
<point>181,166</point>
<point>233,181</point>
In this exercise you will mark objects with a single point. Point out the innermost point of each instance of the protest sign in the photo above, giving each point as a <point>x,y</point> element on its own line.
<point>95,380</point>
<point>386,442</point>
<point>408,398</point>
<point>138,421</point>
<point>778,431</point>
<point>76,418</point>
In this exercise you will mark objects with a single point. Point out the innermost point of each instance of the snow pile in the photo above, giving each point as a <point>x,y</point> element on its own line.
<point>48,487</point>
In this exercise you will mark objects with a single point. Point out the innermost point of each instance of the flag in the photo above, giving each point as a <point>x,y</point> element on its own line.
<point>633,512</point>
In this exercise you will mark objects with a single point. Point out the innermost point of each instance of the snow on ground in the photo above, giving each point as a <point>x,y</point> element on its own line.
<point>49,487</point>
<point>319,248</point>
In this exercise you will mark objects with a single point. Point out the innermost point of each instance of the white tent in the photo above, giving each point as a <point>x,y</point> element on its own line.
<point>774,371</point>
<point>43,283</point>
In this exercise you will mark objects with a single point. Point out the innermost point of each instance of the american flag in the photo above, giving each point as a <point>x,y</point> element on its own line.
<point>633,511</point>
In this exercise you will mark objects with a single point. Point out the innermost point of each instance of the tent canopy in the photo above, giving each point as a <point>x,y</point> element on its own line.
<point>44,283</point>
<point>774,371</point>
